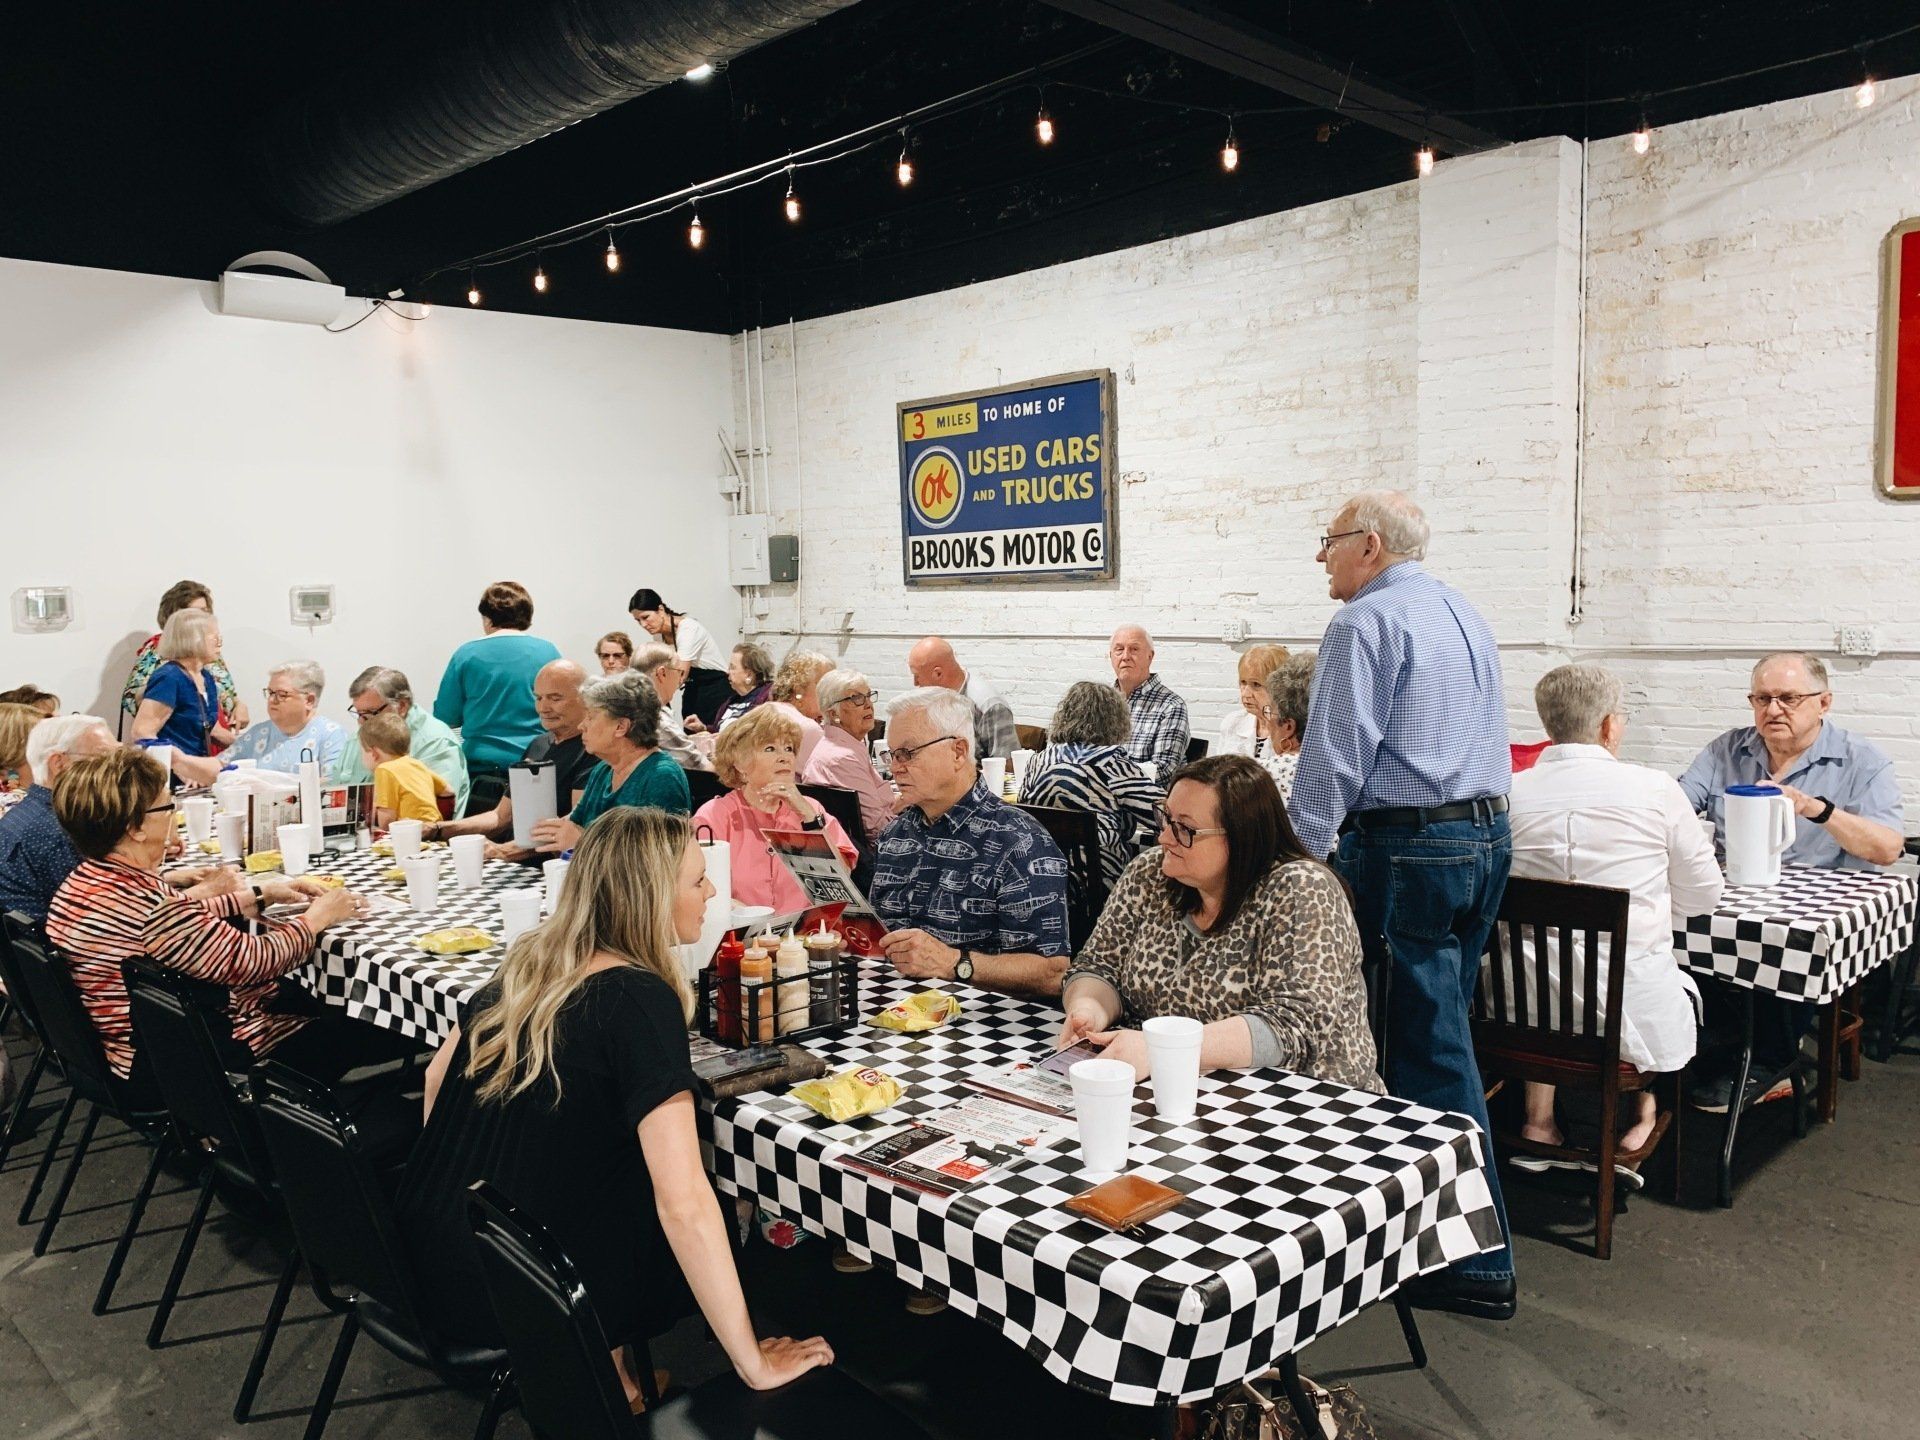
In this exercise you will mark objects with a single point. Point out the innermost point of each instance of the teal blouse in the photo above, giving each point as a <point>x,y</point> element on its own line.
<point>657,780</point>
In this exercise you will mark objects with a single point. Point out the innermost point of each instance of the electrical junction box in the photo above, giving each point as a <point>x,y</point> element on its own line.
<point>310,604</point>
<point>783,558</point>
<point>38,608</point>
<point>747,537</point>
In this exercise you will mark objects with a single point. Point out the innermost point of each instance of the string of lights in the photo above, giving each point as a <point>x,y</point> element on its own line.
<point>882,133</point>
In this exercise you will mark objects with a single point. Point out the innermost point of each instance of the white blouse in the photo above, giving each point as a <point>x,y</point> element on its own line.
<point>695,644</point>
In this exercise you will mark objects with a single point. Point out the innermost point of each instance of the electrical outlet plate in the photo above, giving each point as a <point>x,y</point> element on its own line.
<point>1857,640</point>
<point>1235,630</point>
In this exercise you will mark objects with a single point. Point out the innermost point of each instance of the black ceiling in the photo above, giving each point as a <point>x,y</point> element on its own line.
<point>124,129</point>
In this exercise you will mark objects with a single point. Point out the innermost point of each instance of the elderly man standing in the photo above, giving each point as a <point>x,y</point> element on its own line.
<point>1160,728</point>
<point>932,662</point>
<point>669,672</point>
<point>1846,802</point>
<point>1405,762</point>
<point>1582,815</point>
<point>35,853</point>
<point>380,688</point>
<point>562,711</point>
<point>971,888</point>
<point>294,724</point>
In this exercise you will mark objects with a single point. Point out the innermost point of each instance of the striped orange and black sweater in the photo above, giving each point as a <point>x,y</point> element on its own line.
<point>108,911</point>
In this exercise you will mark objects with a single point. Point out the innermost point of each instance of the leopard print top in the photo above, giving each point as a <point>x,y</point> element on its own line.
<point>1291,958</point>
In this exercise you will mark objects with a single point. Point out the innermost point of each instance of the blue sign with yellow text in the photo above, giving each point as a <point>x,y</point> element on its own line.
<point>1009,484</point>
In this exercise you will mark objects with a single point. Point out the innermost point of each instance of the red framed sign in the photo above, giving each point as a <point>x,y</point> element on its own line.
<point>1899,438</point>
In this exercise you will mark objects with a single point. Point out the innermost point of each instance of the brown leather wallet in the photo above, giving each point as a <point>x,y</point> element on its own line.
<point>1125,1202</point>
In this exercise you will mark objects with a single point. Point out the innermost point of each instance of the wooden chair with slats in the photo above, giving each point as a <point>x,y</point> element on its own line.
<point>1032,737</point>
<point>1537,1018</point>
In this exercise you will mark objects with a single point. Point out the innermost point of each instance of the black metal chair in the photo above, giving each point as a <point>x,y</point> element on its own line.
<point>21,1003</point>
<point>1893,1021</point>
<point>1078,837</point>
<point>844,806</point>
<point>563,1366</point>
<point>704,785</point>
<point>69,1031</point>
<point>344,1226</point>
<point>183,1031</point>
<point>1196,749</point>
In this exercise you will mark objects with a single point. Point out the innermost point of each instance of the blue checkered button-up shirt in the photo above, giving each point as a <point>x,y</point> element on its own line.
<point>983,875</point>
<point>1160,728</point>
<point>1407,707</point>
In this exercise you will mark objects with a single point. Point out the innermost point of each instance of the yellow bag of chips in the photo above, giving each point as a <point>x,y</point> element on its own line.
<point>332,882</point>
<point>928,1010</point>
<point>263,860</point>
<point>457,940</point>
<point>850,1093</point>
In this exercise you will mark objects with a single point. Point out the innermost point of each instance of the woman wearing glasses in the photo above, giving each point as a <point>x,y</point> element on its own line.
<point>841,758</point>
<point>1229,921</point>
<point>614,651</point>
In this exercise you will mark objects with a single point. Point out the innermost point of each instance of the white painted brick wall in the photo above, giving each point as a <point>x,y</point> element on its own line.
<point>1428,335</point>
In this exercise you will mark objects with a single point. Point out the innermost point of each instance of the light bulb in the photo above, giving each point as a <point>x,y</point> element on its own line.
<point>700,71</point>
<point>1043,127</point>
<point>792,202</point>
<point>1230,155</point>
<point>540,279</point>
<point>613,257</point>
<point>903,169</point>
<point>473,293</point>
<point>1423,160</point>
<point>696,232</point>
<point>1642,140</point>
<point>1863,97</point>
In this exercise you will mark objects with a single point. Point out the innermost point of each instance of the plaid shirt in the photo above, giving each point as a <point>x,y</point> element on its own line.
<point>984,875</point>
<point>1160,728</point>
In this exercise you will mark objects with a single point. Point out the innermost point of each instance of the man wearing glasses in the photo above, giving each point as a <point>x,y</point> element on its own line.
<point>1843,788</point>
<point>1846,800</point>
<point>970,887</point>
<point>380,688</point>
<point>1405,763</point>
<point>294,724</point>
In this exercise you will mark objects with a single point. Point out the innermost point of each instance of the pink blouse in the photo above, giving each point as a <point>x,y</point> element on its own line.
<point>758,876</point>
<point>842,762</point>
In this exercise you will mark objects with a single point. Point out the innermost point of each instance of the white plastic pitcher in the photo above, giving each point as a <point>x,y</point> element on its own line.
<point>1759,826</point>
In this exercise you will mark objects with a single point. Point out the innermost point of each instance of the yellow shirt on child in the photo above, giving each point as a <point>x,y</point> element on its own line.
<point>407,787</point>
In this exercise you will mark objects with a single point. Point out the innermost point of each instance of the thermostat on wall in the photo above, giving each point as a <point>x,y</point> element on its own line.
<point>42,607</point>
<point>311,604</point>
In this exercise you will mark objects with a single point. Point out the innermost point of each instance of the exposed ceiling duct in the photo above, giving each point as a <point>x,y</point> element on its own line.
<point>521,70</point>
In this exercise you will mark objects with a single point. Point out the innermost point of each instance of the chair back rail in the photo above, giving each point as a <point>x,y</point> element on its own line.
<point>53,1002</point>
<point>1078,836</point>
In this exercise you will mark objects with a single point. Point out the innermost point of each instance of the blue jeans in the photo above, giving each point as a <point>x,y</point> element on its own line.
<point>1432,893</point>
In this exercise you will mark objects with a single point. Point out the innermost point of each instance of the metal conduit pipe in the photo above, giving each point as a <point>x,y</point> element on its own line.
<point>524,69</point>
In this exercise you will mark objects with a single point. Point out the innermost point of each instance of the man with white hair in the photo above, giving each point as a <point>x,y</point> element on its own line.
<point>932,662</point>
<point>971,888</point>
<point>1582,815</point>
<point>379,689</point>
<point>669,672</point>
<point>35,853</point>
<point>294,728</point>
<point>1160,727</point>
<point>1405,763</point>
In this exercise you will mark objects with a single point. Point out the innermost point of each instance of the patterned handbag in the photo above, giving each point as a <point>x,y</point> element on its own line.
<point>1247,1413</point>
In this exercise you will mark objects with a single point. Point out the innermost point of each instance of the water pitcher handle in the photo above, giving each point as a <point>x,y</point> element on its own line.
<point>1783,824</point>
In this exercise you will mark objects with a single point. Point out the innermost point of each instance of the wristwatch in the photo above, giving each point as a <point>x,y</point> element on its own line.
<point>1826,813</point>
<point>963,967</point>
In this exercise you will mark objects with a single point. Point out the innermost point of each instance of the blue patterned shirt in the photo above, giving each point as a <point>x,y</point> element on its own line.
<point>1160,728</point>
<point>1839,766</point>
<point>984,876</point>
<point>35,855</point>
<point>273,749</point>
<point>1407,707</point>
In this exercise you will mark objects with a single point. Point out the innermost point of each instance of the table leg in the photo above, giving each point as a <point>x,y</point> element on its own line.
<point>1303,1406</point>
<point>1737,1104</point>
<point>1166,1421</point>
<point>1829,1079</point>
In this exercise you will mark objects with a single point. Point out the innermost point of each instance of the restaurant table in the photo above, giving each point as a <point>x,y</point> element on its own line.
<point>1307,1201</point>
<point>1809,939</point>
<point>372,968</point>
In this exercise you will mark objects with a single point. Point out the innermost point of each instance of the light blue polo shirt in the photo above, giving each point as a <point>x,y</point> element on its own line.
<point>1840,766</point>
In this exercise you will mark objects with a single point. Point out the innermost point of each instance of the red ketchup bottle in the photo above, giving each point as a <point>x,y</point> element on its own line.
<point>726,965</point>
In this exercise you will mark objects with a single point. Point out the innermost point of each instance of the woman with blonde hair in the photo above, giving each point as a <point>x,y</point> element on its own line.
<point>183,595</point>
<point>181,706</point>
<point>575,1050</point>
<point>16,721</point>
<point>796,695</point>
<point>1241,732</point>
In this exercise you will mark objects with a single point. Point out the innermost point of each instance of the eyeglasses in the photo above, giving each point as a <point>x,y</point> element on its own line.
<point>283,694</point>
<point>1326,541</point>
<point>865,697</point>
<point>159,809</point>
<point>359,714</point>
<point>1183,834</point>
<point>613,655</point>
<point>1785,702</point>
<point>904,755</point>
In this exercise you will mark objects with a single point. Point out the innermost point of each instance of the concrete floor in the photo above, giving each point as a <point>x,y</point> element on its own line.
<point>1783,1317</point>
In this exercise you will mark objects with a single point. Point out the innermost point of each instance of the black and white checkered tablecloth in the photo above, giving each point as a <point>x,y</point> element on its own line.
<point>1307,1202</point>
<point>1811,937</point>
<point>373,970</point>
